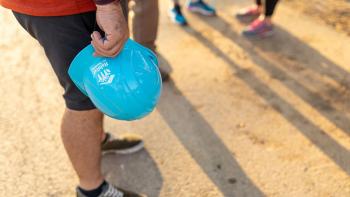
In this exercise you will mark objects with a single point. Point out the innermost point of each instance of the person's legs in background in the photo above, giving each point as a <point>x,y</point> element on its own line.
<point>175,13</point>
<point>145,22</point>
<point>145,26</point>
<point>270,6</point>
<point>262,26</point>
<point>196,6</point>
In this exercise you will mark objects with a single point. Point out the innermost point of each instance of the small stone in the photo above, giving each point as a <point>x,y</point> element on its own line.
<point>241,125</point>
<point>232,180</point>
<point>218,166</point>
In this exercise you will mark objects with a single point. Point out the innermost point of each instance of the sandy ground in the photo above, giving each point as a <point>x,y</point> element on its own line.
<point>335,13</point>
<point>241,117</point>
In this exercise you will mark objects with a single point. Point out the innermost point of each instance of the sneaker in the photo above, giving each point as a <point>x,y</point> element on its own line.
<point>176,15</point>
<point>112,191</point>
<point>252,11</point>
<point>126,144</point>
<point>258,28</point>
<point>201,7</point>
<point>164,74</point>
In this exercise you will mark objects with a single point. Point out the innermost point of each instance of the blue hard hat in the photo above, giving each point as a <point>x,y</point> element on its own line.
<point>126,87</point>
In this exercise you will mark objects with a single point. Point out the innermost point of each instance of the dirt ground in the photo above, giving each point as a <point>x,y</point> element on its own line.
<point>240,117</point>
<point>335,13</point>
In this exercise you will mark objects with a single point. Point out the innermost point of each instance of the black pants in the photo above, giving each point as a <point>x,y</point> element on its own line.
<point>62,37</point>
<point>270,6</point>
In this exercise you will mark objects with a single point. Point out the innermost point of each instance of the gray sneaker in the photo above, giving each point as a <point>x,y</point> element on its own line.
<point>112,191</point>
<point>127,144</point>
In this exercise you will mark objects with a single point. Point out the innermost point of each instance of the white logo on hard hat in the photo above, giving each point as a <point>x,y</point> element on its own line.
<point>102,73</point>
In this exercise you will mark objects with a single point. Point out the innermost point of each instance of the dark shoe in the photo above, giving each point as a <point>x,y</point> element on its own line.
<point>176,15</point>
<point>164,74</point>
<point>112,191</point>
<point>127,144</point>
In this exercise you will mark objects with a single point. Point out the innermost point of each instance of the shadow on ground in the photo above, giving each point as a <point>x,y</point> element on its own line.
<point>205,147</point>
<point>136,172</point>
<point>339,154</point>
<point>287,48</point>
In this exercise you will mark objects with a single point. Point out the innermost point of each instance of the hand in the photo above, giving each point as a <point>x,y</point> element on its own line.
<point>111,20</point>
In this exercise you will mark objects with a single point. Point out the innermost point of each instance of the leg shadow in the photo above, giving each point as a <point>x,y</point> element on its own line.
<point>339,154</point>
<point>205,147</point>
<point>136,172</point>
<point>319,100</point>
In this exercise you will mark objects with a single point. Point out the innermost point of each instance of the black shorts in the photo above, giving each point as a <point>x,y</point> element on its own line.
<point>62,37</point>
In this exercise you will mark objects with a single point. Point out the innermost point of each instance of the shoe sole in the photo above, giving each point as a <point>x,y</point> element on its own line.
<point>267,34</point>
<point>259,35</point>
<point>246,15</point>
<point>128,151</point>
<point>181,24</point>
<point>201,11</point>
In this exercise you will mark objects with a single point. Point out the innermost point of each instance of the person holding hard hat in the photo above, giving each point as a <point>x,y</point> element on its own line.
<point>63,28</point>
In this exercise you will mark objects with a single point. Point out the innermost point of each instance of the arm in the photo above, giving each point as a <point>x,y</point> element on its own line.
<point>110,18</point>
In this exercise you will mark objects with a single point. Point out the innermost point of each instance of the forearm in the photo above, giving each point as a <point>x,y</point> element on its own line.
<point>110,18</point>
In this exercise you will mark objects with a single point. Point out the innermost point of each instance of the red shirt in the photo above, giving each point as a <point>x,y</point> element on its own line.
<point>49,7</point>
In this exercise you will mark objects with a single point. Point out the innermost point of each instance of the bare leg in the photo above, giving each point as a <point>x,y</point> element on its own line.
<point>270,6</point>
<point>81,133</point>
<point>145,22</point>
<point>176,2</point>
<point>145,26</point>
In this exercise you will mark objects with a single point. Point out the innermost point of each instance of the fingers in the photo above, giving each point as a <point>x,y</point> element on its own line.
<point>97,38</point>
<point>108,53</point>
<point>111,20</point>
<point>108,47</point>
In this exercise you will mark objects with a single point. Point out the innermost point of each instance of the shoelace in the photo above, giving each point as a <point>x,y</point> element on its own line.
<point>113,192</point>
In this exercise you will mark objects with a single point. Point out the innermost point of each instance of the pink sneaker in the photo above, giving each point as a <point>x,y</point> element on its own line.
<point>258,28</point>
<point>251,11</point>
